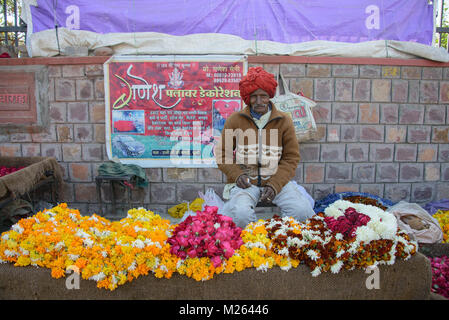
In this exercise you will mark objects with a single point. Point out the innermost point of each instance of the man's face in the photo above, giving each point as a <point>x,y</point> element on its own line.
<point>259,101</point>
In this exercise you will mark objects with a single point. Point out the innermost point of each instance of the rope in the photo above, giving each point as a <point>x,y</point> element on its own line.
<point>56,25</point>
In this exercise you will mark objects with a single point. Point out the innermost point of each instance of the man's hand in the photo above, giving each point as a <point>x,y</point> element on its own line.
<point>243,181</point>
<point>268,194</point>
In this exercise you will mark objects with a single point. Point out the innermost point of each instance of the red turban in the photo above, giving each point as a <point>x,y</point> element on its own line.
<point>257,78</point>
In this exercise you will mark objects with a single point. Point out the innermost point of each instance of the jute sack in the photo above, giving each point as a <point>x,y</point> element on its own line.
<point>299,108</point>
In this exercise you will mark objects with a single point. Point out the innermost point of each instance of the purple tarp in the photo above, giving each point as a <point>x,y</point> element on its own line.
<point>285,21</point>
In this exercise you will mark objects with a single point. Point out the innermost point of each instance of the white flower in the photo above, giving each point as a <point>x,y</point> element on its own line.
<point>283,252</point>
<point>73,257</point>
<point>156,263</point>
<point>50,213</point>
<point>164,268</point>
<point>138,229</point>
<point>17,228</point>
<point>263,267</point>
<point>335,268</point>
<point>340,253</point>
<point>216,225</point>
<point>2,261</point>
<point>392,256</point>
<point>312,254</point>
<point>251,245</point>
<point>59,245</point>
<point>98,277</point>
<point>294,242</point>
<point>5,237</point>
<point>138,244</point>
<point>104,253</point>
<point>287,267</point>
<point>353,248</point>
<point>281,231</point>
<point>81,234</point>
<point>133,266</point>
<point>366,234</point>
<point>316,272</point>
<point>148,242</point>
<point>10,253</point>
<point>88,242</point>
<point>24,251</point>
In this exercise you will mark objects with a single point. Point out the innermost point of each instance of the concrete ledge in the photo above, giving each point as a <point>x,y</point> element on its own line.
<point>410,279</point>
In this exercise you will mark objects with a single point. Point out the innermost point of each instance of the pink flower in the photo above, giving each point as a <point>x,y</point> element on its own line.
<point>192,253</point>
<point>210,210</point>
<point>223,234</point>
<point>208,234</point>
<point>216,261</point>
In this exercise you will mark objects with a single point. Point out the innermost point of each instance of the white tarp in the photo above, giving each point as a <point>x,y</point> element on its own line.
<point>44,44</point>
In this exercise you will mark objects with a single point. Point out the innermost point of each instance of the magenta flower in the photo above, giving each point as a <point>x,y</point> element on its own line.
<point>207,234</point>
<point>440,275</point>
<point>216,260</point>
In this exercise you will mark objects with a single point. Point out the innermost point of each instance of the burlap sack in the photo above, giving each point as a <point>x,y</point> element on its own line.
<point>22,181</point>
<point>409,279</point>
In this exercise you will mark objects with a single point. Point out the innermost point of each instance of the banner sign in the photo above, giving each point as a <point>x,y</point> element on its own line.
<point>168,111</point>
<point>274,20</point>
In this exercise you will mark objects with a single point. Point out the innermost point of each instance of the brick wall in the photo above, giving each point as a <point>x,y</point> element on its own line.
<point>383,129</point>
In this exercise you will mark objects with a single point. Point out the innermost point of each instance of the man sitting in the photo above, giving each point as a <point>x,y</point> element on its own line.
<point>259,153</point>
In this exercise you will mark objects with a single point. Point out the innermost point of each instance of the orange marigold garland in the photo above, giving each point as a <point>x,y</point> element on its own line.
<point>113,253</point>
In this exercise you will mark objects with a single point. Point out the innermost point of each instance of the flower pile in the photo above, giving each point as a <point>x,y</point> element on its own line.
<point>443,220</point>
<point>207,234</point>
<point>348,223</point>
<point>110,253</point>
<point>365,200</point>
<point>375,240</point>
<point>345,236</point>
<point>440,275</point>
<point>7,170</point>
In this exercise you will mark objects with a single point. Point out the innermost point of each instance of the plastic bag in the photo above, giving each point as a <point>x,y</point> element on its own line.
<point>299,108</point>
<point>433,207</point>
<point>180,210</point>
<point>212,199</point>
<point>420,226</point>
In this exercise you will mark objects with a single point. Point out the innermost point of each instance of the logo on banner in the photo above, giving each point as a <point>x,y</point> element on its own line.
<point>373,20</point>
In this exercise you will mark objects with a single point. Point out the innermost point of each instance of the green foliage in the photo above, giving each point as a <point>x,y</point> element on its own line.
<point>10,21</point>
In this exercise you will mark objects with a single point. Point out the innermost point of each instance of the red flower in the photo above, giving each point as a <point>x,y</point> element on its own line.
<point>348,223</point>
